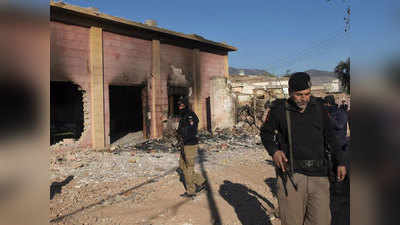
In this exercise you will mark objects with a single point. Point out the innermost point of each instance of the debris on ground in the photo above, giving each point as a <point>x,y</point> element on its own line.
<point>95,172</point>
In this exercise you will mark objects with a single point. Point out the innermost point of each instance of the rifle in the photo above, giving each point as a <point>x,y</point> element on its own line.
<point>290,171</point>
<point>180,145</point>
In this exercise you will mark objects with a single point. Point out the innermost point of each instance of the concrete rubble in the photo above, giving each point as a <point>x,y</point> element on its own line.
<point>145,159</point>
<point>92,170</point>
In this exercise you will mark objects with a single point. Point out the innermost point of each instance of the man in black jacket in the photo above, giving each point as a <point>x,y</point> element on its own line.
<point>187,130</point>
<point>302,168</point>
<point>340,191</point>
<point>339,119</point>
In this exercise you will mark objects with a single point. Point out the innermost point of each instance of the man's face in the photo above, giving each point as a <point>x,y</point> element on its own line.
<point>181,106</point>
<point>301,98</point>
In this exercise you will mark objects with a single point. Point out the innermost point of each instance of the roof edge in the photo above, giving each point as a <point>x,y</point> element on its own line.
<point>95,13</point>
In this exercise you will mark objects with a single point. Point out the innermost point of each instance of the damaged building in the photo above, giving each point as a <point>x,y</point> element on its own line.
<point>245,87</point>
<point>111,77</point>
<point>253,93</point>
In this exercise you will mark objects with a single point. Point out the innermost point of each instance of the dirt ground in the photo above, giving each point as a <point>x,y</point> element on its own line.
<point>240,192</point>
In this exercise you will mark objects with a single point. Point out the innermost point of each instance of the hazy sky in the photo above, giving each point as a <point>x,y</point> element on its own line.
<point>275,35</point>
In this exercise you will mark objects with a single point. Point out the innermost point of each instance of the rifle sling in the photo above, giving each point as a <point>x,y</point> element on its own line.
<point>288,122</point>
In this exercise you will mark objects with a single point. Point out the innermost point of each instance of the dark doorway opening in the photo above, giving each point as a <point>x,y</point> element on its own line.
<point>126,111</point>
<point>66,111</point>
<point>174,94</point>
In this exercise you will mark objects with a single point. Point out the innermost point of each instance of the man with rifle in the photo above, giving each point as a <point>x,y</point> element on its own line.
<point>296,134</point>
<point>187,131</point>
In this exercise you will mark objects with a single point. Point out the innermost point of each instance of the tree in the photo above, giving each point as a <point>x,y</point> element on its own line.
<point>343,72</point>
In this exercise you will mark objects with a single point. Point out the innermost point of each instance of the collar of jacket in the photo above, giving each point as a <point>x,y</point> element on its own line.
<point>291,106</point>
<point>184,112</point>
<point>332,108</point>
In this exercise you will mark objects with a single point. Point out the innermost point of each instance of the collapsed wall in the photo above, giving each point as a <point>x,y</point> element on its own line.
<point>254,94</point>
<point>69,115</point>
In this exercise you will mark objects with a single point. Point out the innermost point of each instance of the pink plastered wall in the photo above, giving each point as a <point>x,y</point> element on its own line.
<point>211,65</point>
<point>69,52</point>
<point>127,62</point>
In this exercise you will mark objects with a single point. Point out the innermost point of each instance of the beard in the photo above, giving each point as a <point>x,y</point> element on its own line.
<point>302,104</point>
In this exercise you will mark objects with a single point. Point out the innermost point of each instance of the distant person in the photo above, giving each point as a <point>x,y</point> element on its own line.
<point>187,130</point>
<point>344,107</point>
<point>295,134</point>
<point>339,118</point>
<point>340,191</point>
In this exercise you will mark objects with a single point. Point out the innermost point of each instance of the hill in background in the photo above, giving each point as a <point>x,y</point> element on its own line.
<point>256,72</point>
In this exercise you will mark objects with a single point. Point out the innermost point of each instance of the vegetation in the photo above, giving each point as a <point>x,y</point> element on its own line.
<point>343,72</point>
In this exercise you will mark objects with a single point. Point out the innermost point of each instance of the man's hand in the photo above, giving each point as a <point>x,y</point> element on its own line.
<point>341,173</point>
<point>280,159</point>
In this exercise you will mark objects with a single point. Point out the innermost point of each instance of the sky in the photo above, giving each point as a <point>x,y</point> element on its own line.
<point>279,36</point>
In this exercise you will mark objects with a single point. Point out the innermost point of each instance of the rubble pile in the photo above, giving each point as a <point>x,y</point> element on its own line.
<point>89,166</point>
<point>65,144</point>
<point>249,119</point>
<point>228,139</point>
<point>160,145</point>
<point>150,158</point>
<point>104,174</point>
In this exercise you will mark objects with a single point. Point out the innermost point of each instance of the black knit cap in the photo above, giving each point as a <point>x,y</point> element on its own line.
<point>299,81</point>
<point>183,100</point>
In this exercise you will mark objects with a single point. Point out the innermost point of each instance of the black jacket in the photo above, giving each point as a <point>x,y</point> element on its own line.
<point>187,128</point>
<point>311,131</point>
<point>339,120</point>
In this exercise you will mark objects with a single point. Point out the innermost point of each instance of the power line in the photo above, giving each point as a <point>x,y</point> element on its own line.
<point>303,52</point>
<point>319,47</point>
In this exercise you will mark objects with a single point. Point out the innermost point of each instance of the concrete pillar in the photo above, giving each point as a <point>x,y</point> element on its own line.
<point>222,104</point>
<point>97,87</point>
<point>197,87</point>
<point>226,67</point>
<point>155,87</point>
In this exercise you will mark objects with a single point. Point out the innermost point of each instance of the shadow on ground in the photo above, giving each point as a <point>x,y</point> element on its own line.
<point>272,182</point>
<point>56,187</point>
<point>155,179</point>
<point>246,203</point>
<point>215,216</point>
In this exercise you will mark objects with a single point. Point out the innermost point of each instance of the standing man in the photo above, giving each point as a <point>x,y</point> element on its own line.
<point>344,106</point>
<point>340,191</point>
<point>338,118</point>
<point>299,154</point>
<point>187,130</point>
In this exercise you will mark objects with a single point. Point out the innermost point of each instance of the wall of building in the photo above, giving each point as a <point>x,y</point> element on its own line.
<point>177,70</point>
<point>211,65</point>
<point>127,61</point>
<point>69,52</point>
<point>176,64</point>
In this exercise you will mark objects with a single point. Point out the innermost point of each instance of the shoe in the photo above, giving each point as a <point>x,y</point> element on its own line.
<point>201,187</point>
<point>186,195</point>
